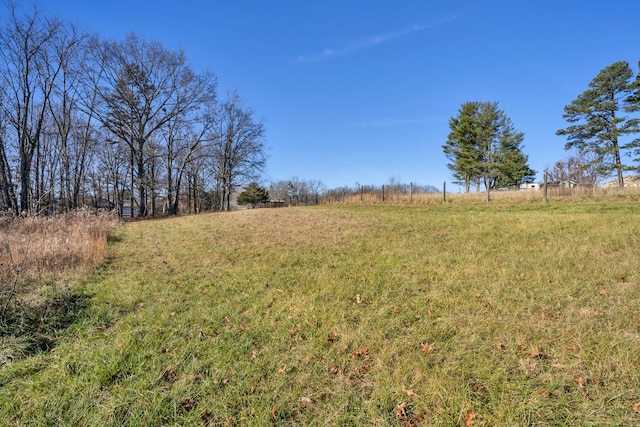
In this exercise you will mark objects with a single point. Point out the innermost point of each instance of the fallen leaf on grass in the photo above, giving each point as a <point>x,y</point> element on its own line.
<point>401,411</point>
<point>580,380</point>
<point>334,369</point>
<point>544,393</point>
<point>305,399</point>
<point>253,355</point>
<point>273,411</point>
<point>361,353</point>
<point>333,337</point>
<point>364,369</point>
<point>188,404</point>
<point>406,416</point>
<point>469,418</point>
<point>358,299</point>
<point>538,353</point>
<point>605,291</point>
<point>499,346</point>
<point>283,369</point>
<point>636,408</point>
<point>425,347</point>
<point>409,393</point>
<point>293,331</point>
<point>169,375</point>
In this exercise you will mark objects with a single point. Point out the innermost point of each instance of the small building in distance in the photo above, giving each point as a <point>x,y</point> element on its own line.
<point>530,186</point>
<point>629,181</point>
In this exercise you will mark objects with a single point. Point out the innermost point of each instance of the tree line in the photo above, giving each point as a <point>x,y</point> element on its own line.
<point>126,124</point>
<point>129,125</point>
<point>484,148</point>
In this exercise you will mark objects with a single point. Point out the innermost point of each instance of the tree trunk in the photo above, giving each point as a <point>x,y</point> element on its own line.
<point>618,161</point>
<point>8,192</point>
<point>142,191</point>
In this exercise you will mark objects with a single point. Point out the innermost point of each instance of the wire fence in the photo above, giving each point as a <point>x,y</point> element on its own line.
<point>394,195</point>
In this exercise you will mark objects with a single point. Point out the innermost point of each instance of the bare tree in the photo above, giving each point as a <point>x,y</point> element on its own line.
<point>141,87</point>
<point>70,127</point>
<point>238,148</point>
<point>7,189</point>
<point>581,168</point>
<point>83,117</point>
<point>315,188</point>
<point>278,190</point>
<point>28,72</point>
<point>294,190</point>
<point>112,163</point>
<point>184,137</point>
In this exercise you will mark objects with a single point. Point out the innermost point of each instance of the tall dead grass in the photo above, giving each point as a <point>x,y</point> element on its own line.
<point>45,245</point>
<point>37,250</point>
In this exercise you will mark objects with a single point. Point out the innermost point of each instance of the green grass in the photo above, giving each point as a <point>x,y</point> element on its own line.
<point>520,314</point>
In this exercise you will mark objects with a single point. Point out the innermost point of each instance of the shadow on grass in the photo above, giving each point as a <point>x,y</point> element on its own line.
<point>113,238</point>
<point>27,330</point>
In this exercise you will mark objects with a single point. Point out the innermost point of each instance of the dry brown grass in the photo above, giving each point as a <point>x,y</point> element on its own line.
<point>497,197</point>
<point>45,245</point>
<point>37,249</point>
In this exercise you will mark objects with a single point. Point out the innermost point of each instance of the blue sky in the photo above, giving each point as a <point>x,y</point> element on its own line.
<point>362,91</point>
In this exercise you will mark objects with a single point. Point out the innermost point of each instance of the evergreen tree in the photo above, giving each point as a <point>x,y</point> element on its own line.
<point>512,166</point>
<point>483,146</point>
<point>633,105</point>
<point>461,147</point>
<point>597,121</point>
<point>253,194</point>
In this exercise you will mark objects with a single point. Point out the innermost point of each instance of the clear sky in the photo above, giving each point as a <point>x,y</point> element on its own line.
<point>361,91</point>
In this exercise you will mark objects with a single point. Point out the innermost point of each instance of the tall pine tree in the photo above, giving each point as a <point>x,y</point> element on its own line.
<point>597,124</point>
<point>461,147</point>
<point>633,105</point>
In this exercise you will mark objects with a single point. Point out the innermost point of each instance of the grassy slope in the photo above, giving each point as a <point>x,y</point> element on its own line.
<point>519,315</point>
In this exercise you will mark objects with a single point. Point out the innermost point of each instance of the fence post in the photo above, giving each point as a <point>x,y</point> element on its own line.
<point>444,192</point>
<point>361,193</point>
<point>383,194</point>
<point>544,188</point>
<point>411,192</point>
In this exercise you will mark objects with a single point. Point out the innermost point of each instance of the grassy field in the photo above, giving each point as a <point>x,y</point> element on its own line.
<point>444,315</point>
